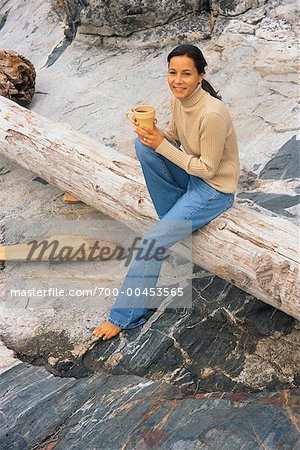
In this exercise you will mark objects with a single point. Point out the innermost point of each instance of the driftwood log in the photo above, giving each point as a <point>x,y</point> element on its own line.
<point>17,77</point>
<point>57,247</point>
<point>256,252</point>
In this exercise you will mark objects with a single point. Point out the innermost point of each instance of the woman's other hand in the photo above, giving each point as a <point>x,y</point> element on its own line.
<point>152,138</point>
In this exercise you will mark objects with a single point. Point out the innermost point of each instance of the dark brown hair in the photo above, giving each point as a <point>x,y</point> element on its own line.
<point>196,55</point>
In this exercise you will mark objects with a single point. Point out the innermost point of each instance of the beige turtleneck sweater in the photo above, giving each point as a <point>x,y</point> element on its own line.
<point>202,125</point>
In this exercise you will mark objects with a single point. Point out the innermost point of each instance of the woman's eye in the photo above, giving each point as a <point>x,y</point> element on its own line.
<point>184,74</point>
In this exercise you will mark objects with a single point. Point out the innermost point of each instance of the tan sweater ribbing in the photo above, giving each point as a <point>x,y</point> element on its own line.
<point>202,125</point>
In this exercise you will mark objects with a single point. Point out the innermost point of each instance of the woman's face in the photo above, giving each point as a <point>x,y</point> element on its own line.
<point>183,77</point>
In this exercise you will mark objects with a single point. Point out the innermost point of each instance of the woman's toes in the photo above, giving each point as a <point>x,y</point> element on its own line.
<point>99,332</point>
<point>110,335</point>
<point>107,330</point>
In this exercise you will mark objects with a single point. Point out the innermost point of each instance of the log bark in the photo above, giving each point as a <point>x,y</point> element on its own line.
<point>256,252</point>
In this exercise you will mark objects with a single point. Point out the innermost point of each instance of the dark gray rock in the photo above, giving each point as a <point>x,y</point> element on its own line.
<point>228,343</point>
<point>24,389</point>
<point>111,412</point>
<point>284,165</point>
<point>123,17</point>
<point>234,7</point>
<point>188,29</point>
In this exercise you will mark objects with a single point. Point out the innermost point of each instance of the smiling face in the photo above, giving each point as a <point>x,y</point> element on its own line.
<point>183,77</point>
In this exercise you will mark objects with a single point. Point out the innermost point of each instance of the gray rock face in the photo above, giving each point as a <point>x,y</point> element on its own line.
<point>284,166</point>
<point>231,363</point>
<point>230,345</point>
<point>123,17</point>
<point>263,103</point>
<point>234,7</point>
<point>106,412</point>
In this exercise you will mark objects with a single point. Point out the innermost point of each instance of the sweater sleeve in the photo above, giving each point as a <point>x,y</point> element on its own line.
<point>212,136</point>
<point>170,132</point>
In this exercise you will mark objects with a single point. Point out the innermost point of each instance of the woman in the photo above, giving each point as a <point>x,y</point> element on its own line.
<point>190,186</point>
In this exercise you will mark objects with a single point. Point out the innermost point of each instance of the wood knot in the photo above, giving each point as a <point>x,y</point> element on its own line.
<point>222,225</point>
<point>264,270</point>
<point>278,280</point>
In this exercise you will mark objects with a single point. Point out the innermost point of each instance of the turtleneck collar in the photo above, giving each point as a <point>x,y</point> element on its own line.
<point>194,98</point>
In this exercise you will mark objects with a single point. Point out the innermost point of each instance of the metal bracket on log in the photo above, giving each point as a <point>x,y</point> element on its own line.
<point>256,252</point>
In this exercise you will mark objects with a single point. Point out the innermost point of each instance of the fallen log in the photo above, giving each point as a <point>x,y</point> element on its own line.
<point>256,252</point>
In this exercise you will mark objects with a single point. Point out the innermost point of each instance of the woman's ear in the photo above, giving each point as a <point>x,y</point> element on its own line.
<point>201,78</point>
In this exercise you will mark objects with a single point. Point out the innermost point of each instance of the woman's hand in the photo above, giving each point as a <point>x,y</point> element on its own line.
<point>152,138</point>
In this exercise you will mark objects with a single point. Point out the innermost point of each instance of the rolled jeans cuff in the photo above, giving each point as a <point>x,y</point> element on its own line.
<point>140,322</point>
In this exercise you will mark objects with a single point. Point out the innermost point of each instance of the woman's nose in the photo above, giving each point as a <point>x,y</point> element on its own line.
<point>178,78</point>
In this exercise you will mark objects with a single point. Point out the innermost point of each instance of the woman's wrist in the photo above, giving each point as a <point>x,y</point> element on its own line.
<point>158,140</point>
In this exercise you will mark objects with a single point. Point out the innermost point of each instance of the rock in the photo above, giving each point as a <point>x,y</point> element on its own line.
<point>150,24</point>
<point>289,14</point>
<point>108,412</point>
<point>186,29</point>
<point>215,346</point>
<point>273,29</point>
<point>188,345</point>
<point>261,100</point>
<point>276,186</point>
<point>27,389</point>
<point>123,17</point>
<point>7,358</point>
<point>229,342</point>
<point>234,7</point>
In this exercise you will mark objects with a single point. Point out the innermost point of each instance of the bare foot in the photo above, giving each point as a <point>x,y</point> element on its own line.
<point>107,330</point>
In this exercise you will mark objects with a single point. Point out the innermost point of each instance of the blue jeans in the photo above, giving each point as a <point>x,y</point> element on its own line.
<point>184,203</point>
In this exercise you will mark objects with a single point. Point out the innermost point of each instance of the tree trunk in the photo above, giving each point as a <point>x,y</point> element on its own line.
<point>254,251</point>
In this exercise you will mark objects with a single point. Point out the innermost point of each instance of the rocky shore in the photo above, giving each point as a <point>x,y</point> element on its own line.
<point>223,374</point>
